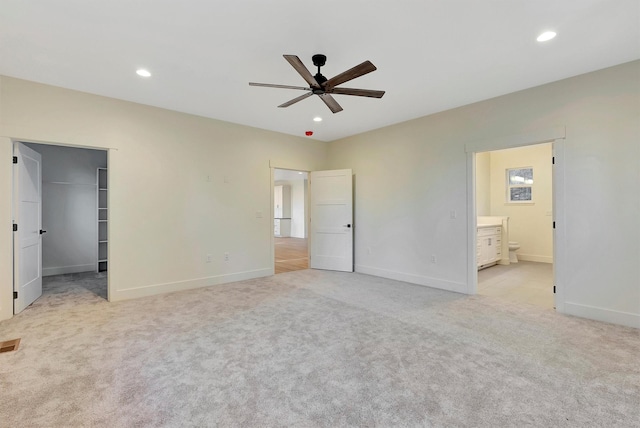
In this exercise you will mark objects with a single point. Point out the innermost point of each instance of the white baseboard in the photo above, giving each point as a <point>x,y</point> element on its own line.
<point>151,290</point>
<point>602,314</point>
<point>442,284</point>
<point>59,270</point>
<point>534,258</point>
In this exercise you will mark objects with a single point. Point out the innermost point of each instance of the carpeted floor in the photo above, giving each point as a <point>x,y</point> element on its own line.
<point>311,348</point>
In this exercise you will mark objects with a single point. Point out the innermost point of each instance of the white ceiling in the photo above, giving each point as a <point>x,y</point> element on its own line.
<point>432,55</point>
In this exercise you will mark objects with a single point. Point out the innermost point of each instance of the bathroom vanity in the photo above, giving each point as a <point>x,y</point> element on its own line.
<point>488,245</point>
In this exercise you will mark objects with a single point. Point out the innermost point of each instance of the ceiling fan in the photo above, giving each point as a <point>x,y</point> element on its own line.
<point>323,87</point>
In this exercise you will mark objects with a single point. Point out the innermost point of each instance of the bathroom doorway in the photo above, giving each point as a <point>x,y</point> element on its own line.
<point>290,220</point>
<point>514,212</point>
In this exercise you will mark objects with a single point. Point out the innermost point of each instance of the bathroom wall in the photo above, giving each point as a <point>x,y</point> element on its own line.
<point>529,223</point>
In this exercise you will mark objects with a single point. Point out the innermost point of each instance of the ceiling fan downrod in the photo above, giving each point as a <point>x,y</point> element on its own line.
<point>319,60</point>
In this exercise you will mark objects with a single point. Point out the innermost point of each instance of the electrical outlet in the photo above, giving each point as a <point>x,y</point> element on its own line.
<point>226,257</point>
<point>258,214</point>
<point>369,250</point>
<point>433,258</point>
<point>209,258</point>
<point>453,214</point>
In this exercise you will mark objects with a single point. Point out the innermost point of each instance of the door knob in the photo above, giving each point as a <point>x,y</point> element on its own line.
<point>42,231</point>
<point>346,225</point>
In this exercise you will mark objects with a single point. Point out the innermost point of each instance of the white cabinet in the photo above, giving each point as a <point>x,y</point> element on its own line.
<point>101,178</point>
<point>489,246</point>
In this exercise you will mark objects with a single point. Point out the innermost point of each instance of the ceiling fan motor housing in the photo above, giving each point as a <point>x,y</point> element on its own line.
<point>319,60</point>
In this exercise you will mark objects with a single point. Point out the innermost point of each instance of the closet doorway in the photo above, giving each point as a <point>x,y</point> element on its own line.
<point>290,220</point>
<point>74,215</point>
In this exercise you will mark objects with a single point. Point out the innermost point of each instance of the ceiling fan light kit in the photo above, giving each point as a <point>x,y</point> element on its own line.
<point>323,87</point>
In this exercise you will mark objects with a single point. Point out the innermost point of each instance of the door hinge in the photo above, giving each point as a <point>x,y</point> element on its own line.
<point>15,294</point>
<point>15,159</point>
<point>554,224</point>
<point>553,160</point>
<point>554,289</point>
<point>15,227</point>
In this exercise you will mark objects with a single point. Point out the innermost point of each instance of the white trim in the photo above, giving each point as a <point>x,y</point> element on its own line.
<point>60,270</point>
<point>534,258</point>
<point>154,289</point>
<point>472,226</point>
<point>601,314</point>
<point>272,237</point>
<point>6,233</point>
<point>559,233</point>
<point>457,287</point>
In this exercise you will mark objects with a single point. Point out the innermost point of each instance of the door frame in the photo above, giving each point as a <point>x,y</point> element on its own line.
<point>6,288</point>
<point>556,137</point>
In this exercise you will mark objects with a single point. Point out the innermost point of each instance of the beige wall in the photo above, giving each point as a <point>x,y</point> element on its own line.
<point>165,217</point>
<point>411,194</point>
<point>410,177</point>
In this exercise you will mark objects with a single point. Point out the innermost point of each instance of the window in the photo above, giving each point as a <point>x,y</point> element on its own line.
<point>519,185</point>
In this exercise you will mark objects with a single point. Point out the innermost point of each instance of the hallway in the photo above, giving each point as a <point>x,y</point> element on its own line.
<point>291,254</point>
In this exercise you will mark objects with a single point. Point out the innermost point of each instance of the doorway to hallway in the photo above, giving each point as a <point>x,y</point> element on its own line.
<point>290,212</point>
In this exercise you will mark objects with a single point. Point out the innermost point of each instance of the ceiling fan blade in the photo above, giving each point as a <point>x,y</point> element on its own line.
<point>358,92</point>
<point>302,70</point>
<point>330,102</point>
<point>295,100</point>
<point>269,85</point>
<point>352,73</point>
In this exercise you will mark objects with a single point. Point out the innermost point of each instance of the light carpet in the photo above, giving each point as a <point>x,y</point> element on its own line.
<point>311,349</point>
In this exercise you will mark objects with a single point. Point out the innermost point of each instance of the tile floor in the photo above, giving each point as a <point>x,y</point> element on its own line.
<point>522,282</point>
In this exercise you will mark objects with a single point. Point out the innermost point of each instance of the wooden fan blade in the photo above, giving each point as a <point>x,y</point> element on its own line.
<point>302,70</point>
<point>352,73</point>
<point>295,100</point>
<point>269,85</point>
<point>358,92</point>
<point>330,102</point>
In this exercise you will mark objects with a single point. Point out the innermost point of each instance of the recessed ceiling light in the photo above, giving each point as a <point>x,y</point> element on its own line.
<point>300,172</point>
<point>547,35</point>
<point>142,72</point>
<point>317,119</point>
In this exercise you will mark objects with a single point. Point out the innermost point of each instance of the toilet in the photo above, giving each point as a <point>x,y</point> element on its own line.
<point>513,247</point>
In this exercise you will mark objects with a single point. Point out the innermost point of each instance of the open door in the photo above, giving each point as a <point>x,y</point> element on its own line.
<point>331,228</point>
<point>27,224</point>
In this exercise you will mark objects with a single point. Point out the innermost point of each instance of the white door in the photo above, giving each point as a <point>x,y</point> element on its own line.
<point>331,195</point>
<point>27,215</point>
